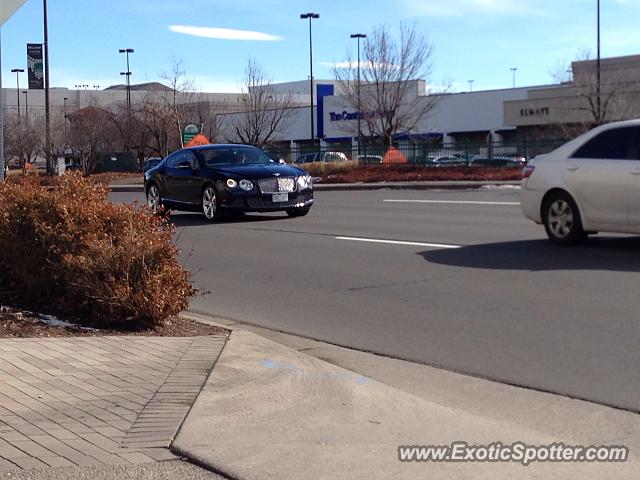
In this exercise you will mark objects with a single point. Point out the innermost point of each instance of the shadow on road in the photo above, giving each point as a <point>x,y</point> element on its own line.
<point>196,219</point>
<point>596,253</point>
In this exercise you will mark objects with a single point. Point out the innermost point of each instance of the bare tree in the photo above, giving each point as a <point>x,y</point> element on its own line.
<point>207,116</point>
<point>386,71</point>
<point>180,95</point>
<point>94,132</point>
<point>265,111</point>
<point>159,123</point>
<point>590,103</point>
<point>21,141</point>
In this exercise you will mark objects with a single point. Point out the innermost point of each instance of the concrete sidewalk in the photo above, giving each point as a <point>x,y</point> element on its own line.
<point>444,185</point>
<point>269,411</point>
<point>97,401</point>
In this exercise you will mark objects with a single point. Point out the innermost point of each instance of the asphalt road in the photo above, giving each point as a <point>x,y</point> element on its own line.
<point>505,304</point>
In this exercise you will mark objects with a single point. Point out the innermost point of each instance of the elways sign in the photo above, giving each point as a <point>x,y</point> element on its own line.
<point>8,8</point>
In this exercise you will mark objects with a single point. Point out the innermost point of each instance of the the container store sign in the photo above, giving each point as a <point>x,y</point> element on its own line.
<point>341,116</point>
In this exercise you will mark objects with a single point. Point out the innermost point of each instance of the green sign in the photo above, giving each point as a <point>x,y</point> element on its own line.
<point>189,132</point>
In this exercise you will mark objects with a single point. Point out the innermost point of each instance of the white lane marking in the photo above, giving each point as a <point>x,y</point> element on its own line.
<point>398,242</point>
<point>453,202</point>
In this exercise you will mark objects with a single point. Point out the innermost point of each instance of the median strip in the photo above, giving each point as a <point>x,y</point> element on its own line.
<point>399,242</point>
<point>454,202</point>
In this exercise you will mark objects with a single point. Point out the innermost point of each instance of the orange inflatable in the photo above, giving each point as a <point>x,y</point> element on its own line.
<point>199,139</point>
<point>394,155</point>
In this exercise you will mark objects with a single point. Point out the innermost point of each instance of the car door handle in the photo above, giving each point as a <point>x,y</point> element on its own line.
<point>635,172</point>
<point>572,168</point>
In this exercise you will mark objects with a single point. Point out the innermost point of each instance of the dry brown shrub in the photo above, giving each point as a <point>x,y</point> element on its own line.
<point>70,248</point>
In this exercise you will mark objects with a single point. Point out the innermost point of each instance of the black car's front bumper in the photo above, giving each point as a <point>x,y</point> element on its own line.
<point>255,201</point>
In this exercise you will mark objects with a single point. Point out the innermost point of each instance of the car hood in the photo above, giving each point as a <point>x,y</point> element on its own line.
<point>250,171</point>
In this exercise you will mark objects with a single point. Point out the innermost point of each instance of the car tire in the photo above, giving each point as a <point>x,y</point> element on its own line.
<point>154,200</point>
<point>298,212</point>
<point>211,204</point>
<point>562,220</point>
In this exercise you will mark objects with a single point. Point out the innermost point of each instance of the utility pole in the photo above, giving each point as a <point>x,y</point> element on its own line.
<point>47,110</point>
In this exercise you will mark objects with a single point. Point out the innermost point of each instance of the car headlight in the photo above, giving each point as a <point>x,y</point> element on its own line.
<point>305,181</point>
<point>246,185</point>
<point>231,183</point>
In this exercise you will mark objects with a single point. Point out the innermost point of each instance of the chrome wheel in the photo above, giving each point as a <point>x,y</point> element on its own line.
<point>153,199</point>
<point>560,218</point>
<point>209,203</point>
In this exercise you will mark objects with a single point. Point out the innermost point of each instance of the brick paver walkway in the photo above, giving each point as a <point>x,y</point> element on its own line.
<point>97,400</point>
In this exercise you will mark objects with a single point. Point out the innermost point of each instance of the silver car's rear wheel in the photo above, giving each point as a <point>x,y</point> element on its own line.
<point>153,199</point>
<point>562,220</point>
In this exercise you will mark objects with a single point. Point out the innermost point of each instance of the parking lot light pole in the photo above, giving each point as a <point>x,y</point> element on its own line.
<point>310,16</point>
<point>65,99</point>
<point>26,105</point>
<point>18,71</point>
<point>359,36</point>
<point>127,51</point>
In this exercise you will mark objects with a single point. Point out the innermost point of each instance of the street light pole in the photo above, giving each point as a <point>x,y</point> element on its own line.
<point>127,51</point>
<point>598,100</point>
<point>513,71</point>
<point>359,36</point>
<point>310,16</point>
<point>18,71</point>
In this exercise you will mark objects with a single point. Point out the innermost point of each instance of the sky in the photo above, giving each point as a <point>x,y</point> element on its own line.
<point>479,40</point>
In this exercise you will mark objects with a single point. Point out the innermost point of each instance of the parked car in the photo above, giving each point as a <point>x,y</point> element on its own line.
<point>322,157</point>
<point>150,163</point>
<point>590,184</point>
<point>216,179</point>
<point>495,161</point>
<point>370,159</point>
<point>72,166</point>
<point>446,161</point>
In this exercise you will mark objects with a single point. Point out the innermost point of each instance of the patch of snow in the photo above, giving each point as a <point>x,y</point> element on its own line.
<point>500,187</point>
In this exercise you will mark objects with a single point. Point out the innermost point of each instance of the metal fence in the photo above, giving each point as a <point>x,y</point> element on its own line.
<point>427,154</point>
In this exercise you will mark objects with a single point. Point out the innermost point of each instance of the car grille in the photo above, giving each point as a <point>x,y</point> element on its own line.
<point>277,184</point>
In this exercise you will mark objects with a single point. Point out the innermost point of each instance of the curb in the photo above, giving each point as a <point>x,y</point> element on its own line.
<point>454,185</point>
<point>328,187</point>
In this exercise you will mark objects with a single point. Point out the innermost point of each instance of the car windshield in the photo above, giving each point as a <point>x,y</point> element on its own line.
<point>233,155</point>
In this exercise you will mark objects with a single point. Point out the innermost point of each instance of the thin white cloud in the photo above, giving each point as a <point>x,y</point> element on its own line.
<point>456,8</point>
<point>224,33</point>
<point>345,65</point>
<point>341,64</point>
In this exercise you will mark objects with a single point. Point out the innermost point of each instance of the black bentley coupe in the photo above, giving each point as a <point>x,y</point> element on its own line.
<point>217,179</point>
